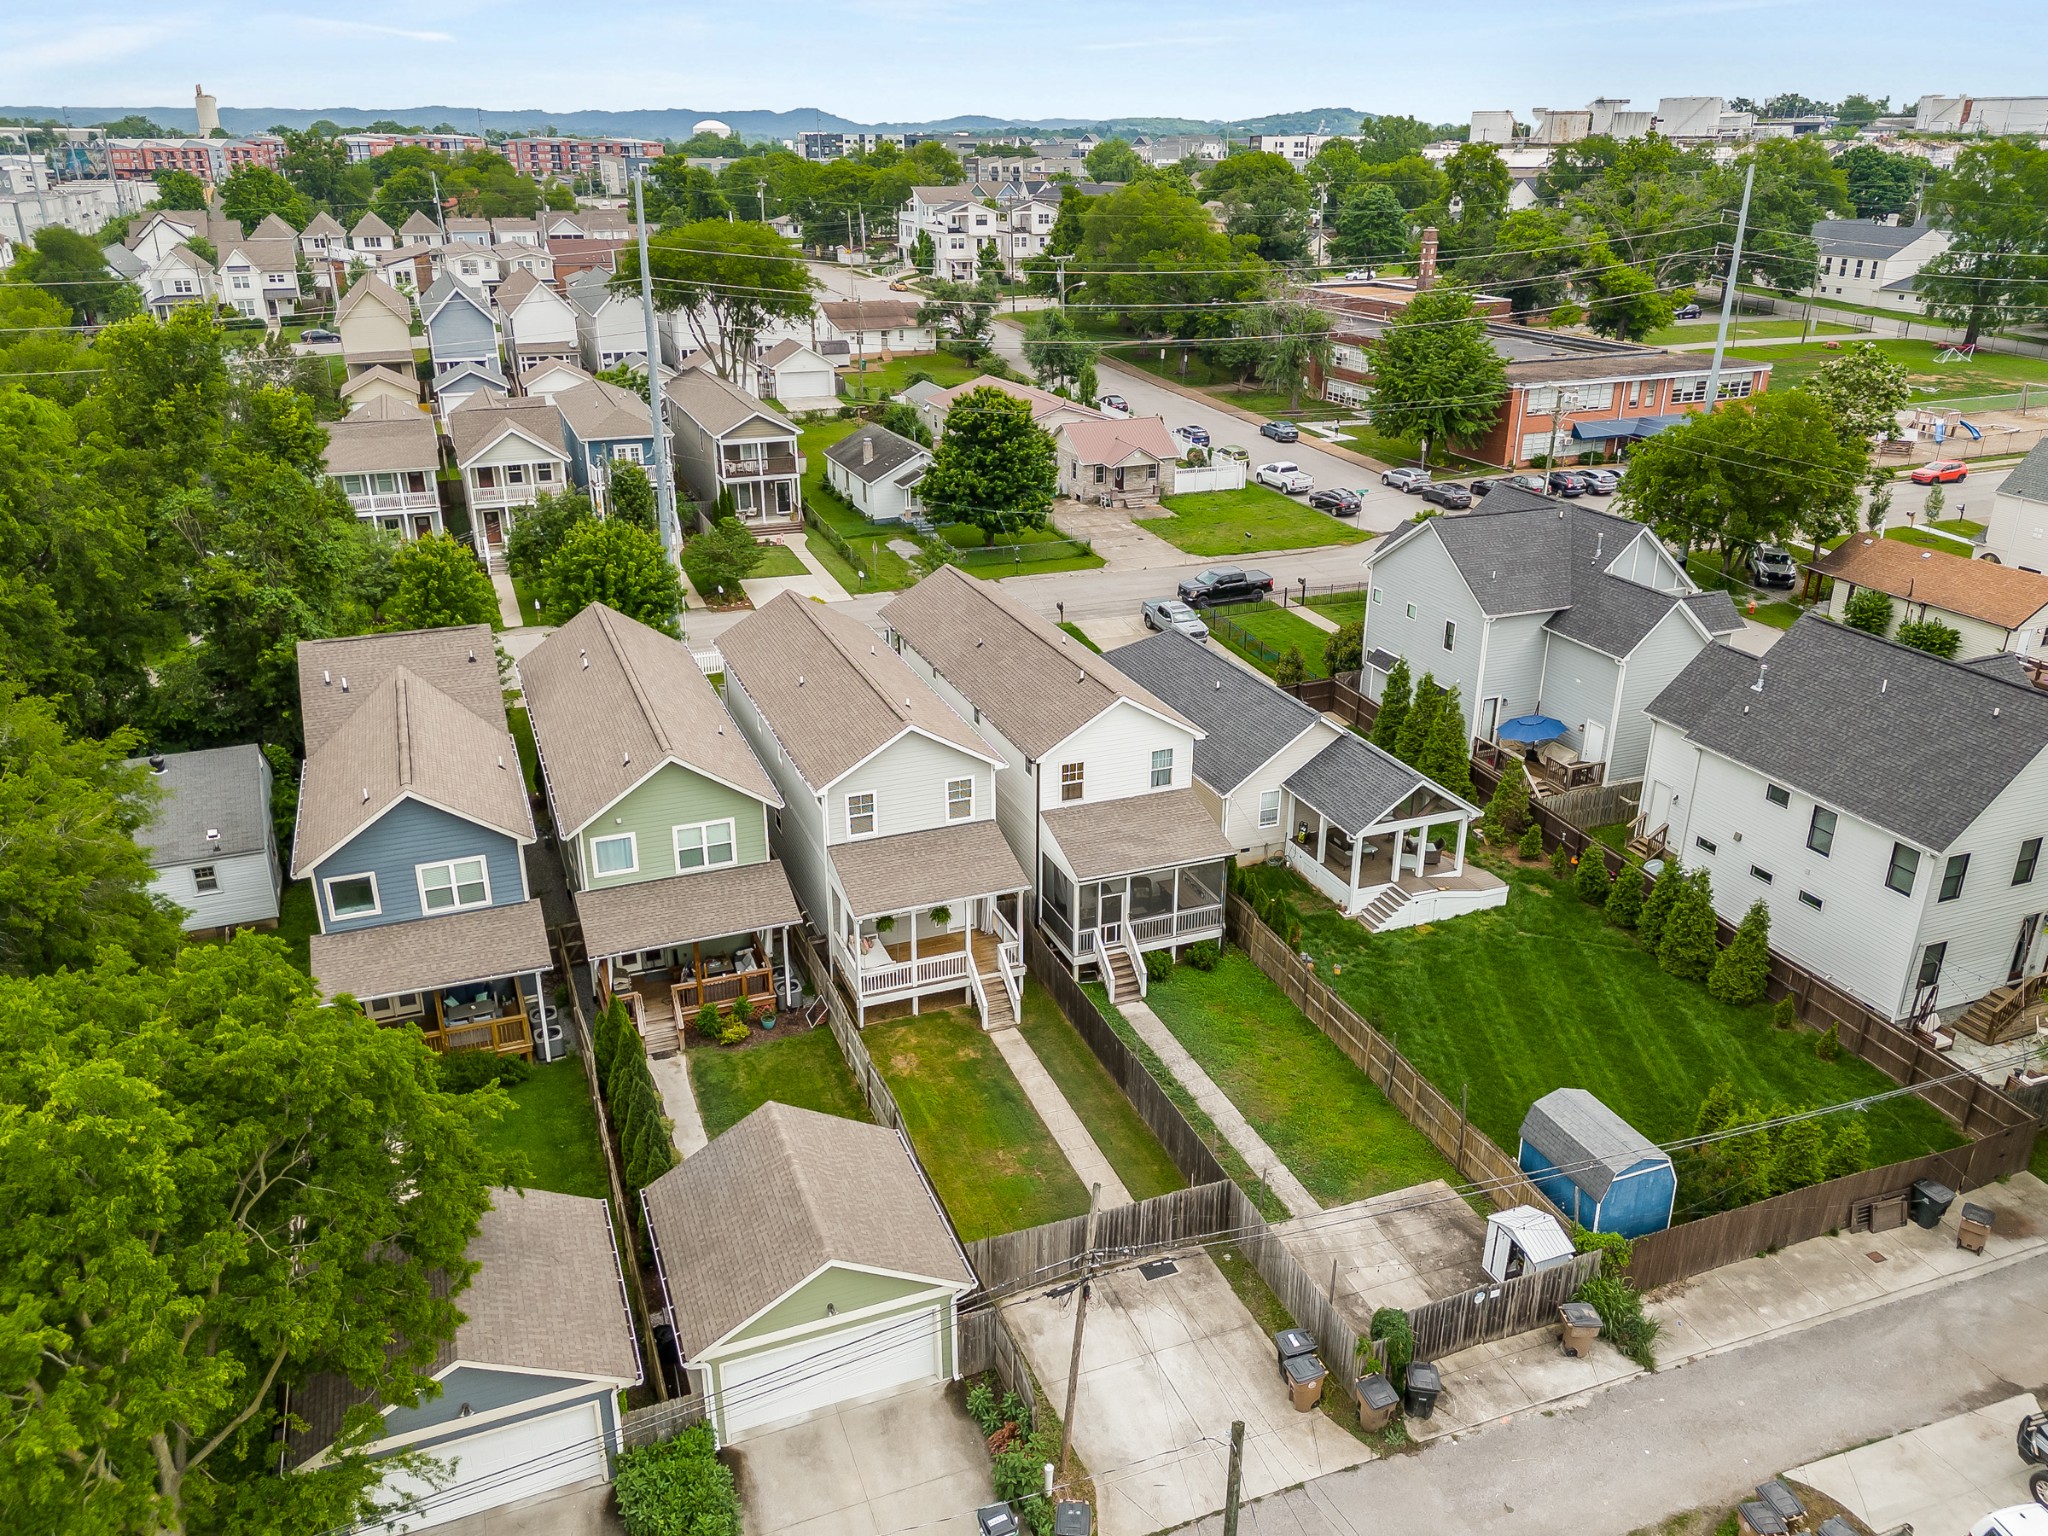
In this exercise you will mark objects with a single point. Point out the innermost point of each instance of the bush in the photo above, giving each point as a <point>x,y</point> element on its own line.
<point>1850,1151</point>
<point>1800,1158</point>
<point>1203,956</point>
<point>604,1038</point>
<point>720,558</point>
<point>1531,845</point>
<point>1687,947</point>
<point>1657,905</point>
<point>981,1407</point>
<point>467,1071</point>
<point>1390,1327</point>
<point>1829,1045</point>
<point>1625,898</point>
<point>1623,1322</point>
<point>735,1030</point>
<point>1345,650</point>
<point>742,1010</point>
<point>708,1023</point>
<point>1158,966</point>
<point>1509,808</point>
<point>1742,971</point>
<point>1868,610</point>
<point>1561,862</point>
<point>1931,636</point>
<point>677,1488</point>
<point>1785,1012</point>
<point>1616,1252</point>
<point>1291,668</point>
<point>1591,881</point>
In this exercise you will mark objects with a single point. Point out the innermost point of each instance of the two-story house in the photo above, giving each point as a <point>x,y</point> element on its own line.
<point>662,812</point>
<point>1097,795</point>
<point>1887,805</point>
<point>322,242</point>
<point>212,844</point>
<point>370,233</point>
<point>386,456</point>
<point>420,230</point>
<point>726,440</point>
<point>510,452</point>
<point>467,231</point>
<point>960,224</point>
<point>179,277</point>
<point>1536,606</point>
<point>1876,265</point>
<point>611,328</point>
<point>1992,607</point>
<point>461,325</point>
<point>259,274</point>
<point>540,325</point>
<point>463,383</point>
<point>888,826</point>
<point>374,321</point>
<point>412,825</point>
<point>604,425</point>
<point>2017,532</point>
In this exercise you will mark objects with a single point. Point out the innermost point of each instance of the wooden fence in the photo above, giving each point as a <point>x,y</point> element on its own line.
<point>1498,1311</point>
<point>1052,1253</point>
<point>874,1091</point>
<point>661,1421</point>
<point>985,1343</point>
<point>1597,805</point>
<point>1336,1339</point>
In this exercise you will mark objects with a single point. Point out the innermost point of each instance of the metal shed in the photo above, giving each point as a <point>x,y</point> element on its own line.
<point>1595,1167</point>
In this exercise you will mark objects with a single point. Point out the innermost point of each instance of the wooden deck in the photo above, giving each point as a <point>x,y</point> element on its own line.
<point>511,1035</point>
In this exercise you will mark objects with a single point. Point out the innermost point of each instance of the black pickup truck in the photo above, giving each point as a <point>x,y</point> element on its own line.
<point>1224,584</point>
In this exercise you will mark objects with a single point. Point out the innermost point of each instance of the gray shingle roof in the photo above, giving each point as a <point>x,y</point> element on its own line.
<point>1121,837</point>
<point>1864,237</point>
<point>1575,1131</point>
<point>916,870</point>
<point>481,422</point>
<point>382,436</point>
<point>1611,615</point>
<point>1246,718</point>
<point>1906,741</point>
<point>430,953</point>
<point>336,675</point>
<point>885,451</point>
<point>218,791</point>
<point>1355,783</point>
<point>1716,611</point>
<point>600,412</point>
<point>2028,479</point>
<point>717,406</point>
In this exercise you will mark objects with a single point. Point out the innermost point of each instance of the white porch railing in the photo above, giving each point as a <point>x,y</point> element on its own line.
<point>1137,959</point>
<point>913,975</point>
<point>1150,930</point>
<point>372,504</point>
<point>1198,920</point>
<point>1313,870</point>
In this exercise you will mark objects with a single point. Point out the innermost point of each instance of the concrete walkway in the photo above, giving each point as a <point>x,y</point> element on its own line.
<point>1251,1146</point>
<point>679,1102</point>
<point>508,601</point>
<point>1321,621</point>
<point>1943,1477</point>
<point>1059,1116</point>
<point>817,582</point>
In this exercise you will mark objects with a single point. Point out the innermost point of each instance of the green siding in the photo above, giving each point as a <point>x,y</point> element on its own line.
<point>672,797</point>
<point>848,1290</point>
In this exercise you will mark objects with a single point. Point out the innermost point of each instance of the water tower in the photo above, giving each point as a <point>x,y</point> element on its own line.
<point>208,110</point>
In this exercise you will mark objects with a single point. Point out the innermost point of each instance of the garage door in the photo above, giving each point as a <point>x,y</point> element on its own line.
<point>497,1466</point>
<point>802,1378</point>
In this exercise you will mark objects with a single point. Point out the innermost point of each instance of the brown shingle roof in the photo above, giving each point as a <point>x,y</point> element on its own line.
<point>374,290</point>
<point>382,436</point>
<point>1043,403</point>
<point>598,411</point>
<point>717,406</point>
<point>383,374</point>
<point>337,675</point>
<point>915,870</point>
<point>433,952</point>
<point>1120,837</point>
<point>684,909</point>
<point>776,1198</point>
<point>1115,442</point>
<point>2003,595</point>
<point>872,315</point>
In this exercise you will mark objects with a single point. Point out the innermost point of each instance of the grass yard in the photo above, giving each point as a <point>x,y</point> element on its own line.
<point>1614,835</point>
<point>1543,993</point>
<point>1075,630</point>
<point>1340,607</point>
<point>1220,382</point>
<point>1928,538</point>
<point>996,1166</point>
<point>1745,330</point>
<point>552,1127</point>
<point>880,567</point>
<point>1240,524</point>
<point>527,591</point>
<point>1988,374</point>
<point>882,380</point>
<point>1392,451</point>
<point>1275,628</point>
<point>1325,1119</point>
<point>1053,550</point>
<point>298,919</point>
<point>805,1070</point>
<point>521,724</point>
<point>779,560</point>
<point>1125,1139</point>
<point>1778,612</point>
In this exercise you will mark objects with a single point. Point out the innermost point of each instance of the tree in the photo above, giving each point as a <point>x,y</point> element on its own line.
<point>1420,723</point>
<point>1436,374</point>
<point>901,417</point>
<point>721,557</point>
<point>1508,810</point>
<point>1931,636</point>
<point>994,466</point>
<point>1294,342</point>
<point>1622,301</point>
<point>1389,136</point>
<point>1264,199</point>
<point>924,255</point>
<point>1797,184</point>
<point>1858,109</point>
<point>1113,160</point>
<point>252,192</point>
<point>1849,1152</point>
<point>1446,756</point>
<point>1591,882</point>
<point>134,126</point>
<point>1414,181</point>
<point>72,267</point>
<point>1291,668</point>
<point>1150,258</point>
<point>1864,390</point>
<point>681,193</point>
<point>1625,897</point>
<point>967,310</point>
<point>1868,610</point>
<point>1686,947</point>
<point>729,281</point>
<point>541,529</point>
<point>631,496</point>
<point>1800,1160</point>
<point>1993,205</point>
<point>1535,251</point>
<point>1476,180</point>
<point>613,563</point>
<point>932,164</point>
<point>1344,651</point>
<point>317,163</point>
<point>1880,183</point>
<point>1657,905</point>
<point>1368,225</point>
<point>180,190</point>
<point>440,584</point>
<point>1742,971</point>
<point>216,1185</point>
<point>1396,698</point>
<point>1056,351</point>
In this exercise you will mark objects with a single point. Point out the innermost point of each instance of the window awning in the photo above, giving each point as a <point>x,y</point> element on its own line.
<point>1613,427</point>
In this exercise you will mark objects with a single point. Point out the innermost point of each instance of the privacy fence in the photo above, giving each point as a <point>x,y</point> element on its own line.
<point>1498,1311</point>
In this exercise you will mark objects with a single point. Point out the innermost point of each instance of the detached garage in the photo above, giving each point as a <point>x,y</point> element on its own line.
<point>529,1385</point>
<point>804,1263</point>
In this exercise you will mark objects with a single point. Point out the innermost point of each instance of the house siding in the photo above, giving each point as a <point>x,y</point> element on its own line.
<point>404,837</point>
<point>462,333</point>
<point>480,1389</point>
<point>1579,685</point>
<point>1239,812</point>
<point>673,796</point>
<point>908,780</point>
<point>1116,750</point>
<point>948,1354</point>
<point>1420,572</point>
<point>249,889</point>
<point>797,835</point>
<point>1516,648</point>
<point>1979,638</point>
<point>1664,653</point>
<point>843,1289</point>
<point>370,327</point>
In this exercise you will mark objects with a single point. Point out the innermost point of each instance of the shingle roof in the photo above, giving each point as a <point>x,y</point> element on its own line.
<point>429,953</point>
<point>482,422</point>
<point>417,223</point>
<point>831,691</point>
<point>611,700</point>
<point>444,290</point>
<point>1246,719</point>
<point>213,806</point>
<point>2002,595</point>
<point>514,290</point>
<point>323,223</point>
<point>1153,831</point>
<point>2028,479</point>
<point>1581,1135</point>
<point>717,406</point>
<point>1865,237</point>
<point>871,315</point>
<point>374,290</point>
<point>600,412</point>
<point>884,450</point>
<point>337,675</point>
<point>382,373</point>
<point>915,870</point>
<point>684,909</point>
<point>1906,741</point>
<point>370,224</point>
<point>382,436</point>
<point>1037,683</point>
<point>1115,441</point>
<point>1715,611</point>
<point>783,351</point>
<point>776,1198</point>
<point>1043,402</point>
<point>1355,783</point>
<point>1611,615</point>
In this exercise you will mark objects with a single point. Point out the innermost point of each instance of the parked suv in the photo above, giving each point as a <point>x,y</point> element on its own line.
<point>1772,567</point>
<point>1409,480</point>
<point>1224,584</point>
<point>1337,501</point>
<point>1566,482</point>
<point>1285,476</point>
<point>1448,494</point>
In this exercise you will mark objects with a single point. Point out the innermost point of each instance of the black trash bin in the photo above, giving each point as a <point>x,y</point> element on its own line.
<point>1929,1202</point>
<point>996,1520</point>
<point>1289,1342</point>
<point>1071,1517</point>
<point>1424,1383</point>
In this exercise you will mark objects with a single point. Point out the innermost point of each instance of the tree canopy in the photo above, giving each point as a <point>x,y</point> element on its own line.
<point>994,466</point>
<point>729,281</point>
<point>613,563</point>
<point>440,583</point>
<point>1993,205</point>
<point>1435,373</point>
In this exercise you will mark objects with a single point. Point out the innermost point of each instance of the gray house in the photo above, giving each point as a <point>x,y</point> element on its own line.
<point>212,845</point>
<point>1532,605</point>
<point>461,327</point>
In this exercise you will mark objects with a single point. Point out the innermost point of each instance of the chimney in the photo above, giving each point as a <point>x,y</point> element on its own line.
<point>867,448</point>
<point>1425,268</point>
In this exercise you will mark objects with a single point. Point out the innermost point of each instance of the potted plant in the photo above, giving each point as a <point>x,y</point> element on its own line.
<point>884,924</point>
<point>941,916</point>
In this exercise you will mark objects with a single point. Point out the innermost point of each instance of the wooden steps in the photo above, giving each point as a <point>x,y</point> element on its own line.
<point>1375,913</point>
<point>1122,977</point>
<point>1995,1018</point>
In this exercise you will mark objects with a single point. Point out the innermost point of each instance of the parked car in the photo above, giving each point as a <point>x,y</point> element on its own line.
<point>1199,436</point>
<point>1534,483</point>
<point>1770,566</point>
<point>1565,482</point>
<point>1114,405</point>
<point>1235,453</point>
<point>1482,487</point>
<point>2020,1520</point>
<point>1686,312</point>
<point>1601,482</point>
<point>317,335</point>
<point>1449,495</point>
<point>1224,584</point>
<point>899,286</point>
<point>1164,613</point>
<point>2032,1441</point>
<point>1941,472</point>
<point>1409,480</point>
<point>1281,431</point>
<point>1337,501</point>
<point>1358,275</point>
<point>1286,477</point>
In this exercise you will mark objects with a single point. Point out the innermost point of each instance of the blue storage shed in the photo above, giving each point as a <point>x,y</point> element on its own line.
<point>1595,1167</point>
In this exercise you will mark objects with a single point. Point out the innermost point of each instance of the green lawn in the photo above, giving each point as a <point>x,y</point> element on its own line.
<point>779,560</point>
<point>298,919</point>
<point>522,737</point>
<point>1246,522</point>
<point>1075,631</point>
<point>805,1070</point>
<point>1274,627</point>
<point>1927,538</point>
<point>1778,612</point>
<point>1543,993</point>
<point>1324,1118</point>
<point>527,591</point>
<point>996,1166</point>
<point>1961,527</point>
<point>1988,374</point>
<point>552,1127</point>
<point>1391,451</point>
<point>1133,1151</point>
<point>1745,330</point>
<point>1056,552</point>
<point>1340,607</point>
<point>880,566</point>
<point>1614,834</point>
<point>1221,383</point>
<point>884,380</point>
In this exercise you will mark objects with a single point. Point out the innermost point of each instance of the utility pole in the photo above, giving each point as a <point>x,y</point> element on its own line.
<point>440,213</point>
<point>664,487</point>
<point>1059,264</point>
<point>1728,288</point>
<point>1080,1321</point>
<point>1233,1488</point>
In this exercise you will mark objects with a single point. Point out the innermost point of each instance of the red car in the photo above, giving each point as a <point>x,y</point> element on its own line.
<point>1942,471</point>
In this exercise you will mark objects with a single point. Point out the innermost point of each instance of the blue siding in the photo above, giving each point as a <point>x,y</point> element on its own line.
<point>584,456</point>
<point>408,835</point>
<point>459,331</point>
<point>1638,1202</point>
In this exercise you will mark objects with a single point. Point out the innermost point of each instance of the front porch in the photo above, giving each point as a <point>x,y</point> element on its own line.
<point>502,1016</point>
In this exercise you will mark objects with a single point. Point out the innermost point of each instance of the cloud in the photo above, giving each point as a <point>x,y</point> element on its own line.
<point>90,44</point>
<point>336,28</point>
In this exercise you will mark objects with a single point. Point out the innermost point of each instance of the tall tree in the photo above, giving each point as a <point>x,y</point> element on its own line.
<point>1993,205</point>
<point>1880,182</point>
<point>1113,160</point>
<point>631,496</point>
<point>614,563</point>
<point>1059,354</point>
<point>966,311</point>
<point>1397,695</point>
<point>180,189</point>
<point>1265,199</point>
<point>1368,225</point>
<point>994,466</point>
<point>252,192</point>
<point>72,267</point>
<point>1150,258</point>
<point>729,281</point>
<point>1435,373</point>
<point>1476,179</point>
<point>1622,301</point>
<point>1389,136</point>
<point>1864,390</point>
<point>1534,252</point>
<point>681,193</point>
<point>1294,339</point>
<point>440,584</point>
<point>1797,184</point>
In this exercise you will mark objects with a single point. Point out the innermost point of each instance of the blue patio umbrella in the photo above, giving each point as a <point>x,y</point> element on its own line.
<point>1531,728</point>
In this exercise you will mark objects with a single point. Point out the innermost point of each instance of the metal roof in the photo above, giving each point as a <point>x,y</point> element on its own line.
<point>1536,1232</point>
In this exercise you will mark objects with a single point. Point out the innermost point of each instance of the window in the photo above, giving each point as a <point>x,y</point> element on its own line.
<point>1073,782</point>
<point>1411,610</point>
<point>709,844</point>
<point>1930,964</point>
<point>1757,872</point>
<point>1704,846</point>
<point>1450,634</point>
<point>1820,836</point>
<point>1952,877</point>
<point>959,799</point>
<point>1777,794</point>
<point>544,473</point>
<point>452,886</point>
<point>515,474</point>
<point>1162,768</point>
<point>1905,868</point>
<point>860,815</point>
<point>204,878</point>
<point>618,854</point>
<point>353,896</point>
<point>1687,391</point>
<point>1810,899</point>
<point>2030,855</point>
<point>1269,808</point>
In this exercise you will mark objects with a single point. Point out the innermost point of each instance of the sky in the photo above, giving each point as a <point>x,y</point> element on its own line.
<point>911,60</point>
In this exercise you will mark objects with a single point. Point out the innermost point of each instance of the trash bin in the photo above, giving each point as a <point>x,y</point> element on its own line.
<point>1292,1341</point>
<point>1782,1500</point>
<point>1377,1401</point>
<point>996,1520</point>
<point>1929,1202</point>
<point>1835,1525</point>
<point>1978,1222</point>
<point>1304,1375</point>
<point>1070,1517</point>
<point>1757,1518</point>
<point>1581,1326</point>
<point>1424,1383</point>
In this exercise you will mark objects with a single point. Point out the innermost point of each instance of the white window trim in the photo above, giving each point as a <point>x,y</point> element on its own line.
<point>951,785</point>
<point>732,841</point>
<point>873,813</point>
<point>201,874</point>
<point>1152,776</point>
<point>630,839</point>
<point>376,896</point>
<point>1269,818</point>
<point>419,875</point>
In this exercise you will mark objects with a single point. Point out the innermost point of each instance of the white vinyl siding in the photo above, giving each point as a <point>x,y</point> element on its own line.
<point>1419,574</point>
<point>911,781</point>
<point>1664,653</point>
<point>1116,751</point>
<point>1579,685</point>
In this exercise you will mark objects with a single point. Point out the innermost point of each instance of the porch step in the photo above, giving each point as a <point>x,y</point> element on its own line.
<point>660,1033</point>
<point>999,1015</point>
<point>1375,913</point>
<point>1123,979</point>
<point>1993,1019</point>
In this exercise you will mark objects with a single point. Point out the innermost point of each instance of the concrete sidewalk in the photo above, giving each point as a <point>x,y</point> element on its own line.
<point>1942,1477</point>
<point>819,582</point>
<point>1058,1115</point>
<point>679,1102</point>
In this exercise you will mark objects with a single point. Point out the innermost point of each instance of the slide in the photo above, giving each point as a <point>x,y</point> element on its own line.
<point>1974,433</point>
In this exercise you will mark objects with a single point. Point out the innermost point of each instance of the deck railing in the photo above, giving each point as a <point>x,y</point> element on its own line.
<point>511,1035</point>
<point>693,993</point>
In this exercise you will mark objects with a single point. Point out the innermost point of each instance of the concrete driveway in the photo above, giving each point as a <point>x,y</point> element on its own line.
<point>1944,1477</point>
<point>585,1509</point>
<point>1166,1365</point>
<point>1402,1249</point>
<point>868,1468</point>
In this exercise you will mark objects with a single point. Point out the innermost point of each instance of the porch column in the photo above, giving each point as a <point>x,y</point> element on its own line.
<point>1322,836</point>
<point>1458,865</point>
<point>1357,852</point>
<point>914,1010</point>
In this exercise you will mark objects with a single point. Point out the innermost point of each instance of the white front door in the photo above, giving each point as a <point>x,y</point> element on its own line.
<point>1594,742</point>
<point>494,1467</point>
<point>801,1378</point>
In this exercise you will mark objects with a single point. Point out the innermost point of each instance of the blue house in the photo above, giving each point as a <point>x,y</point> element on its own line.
<point>461,326</point>
<point>412,824</point>
<point>1595,1167</point>
<point>603,425</point>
